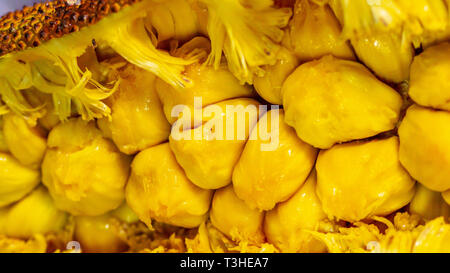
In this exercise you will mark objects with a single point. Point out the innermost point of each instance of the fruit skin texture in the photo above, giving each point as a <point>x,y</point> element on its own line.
<point>209,162</point>
<point>16,180</point>
<point>210,85</point>
<point>314,32</point>
<point>269,86</point>
<point>386,54</point>
<point>26,143</point>
<point>158,189</point>
<point>285,226</point>
<point>425,147</point>
<point>232,216</point>
<point>331,101</point>
<point>37,24</point>
<point>96,234</point>
<point>35,214</point>
<point>358,180</point>
<point>138,120</point>
<point>84,172</point>
<point>430,71</point>
<point>264,178</point>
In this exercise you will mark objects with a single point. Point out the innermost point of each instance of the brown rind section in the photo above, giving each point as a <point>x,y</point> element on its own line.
<point>32,26</point>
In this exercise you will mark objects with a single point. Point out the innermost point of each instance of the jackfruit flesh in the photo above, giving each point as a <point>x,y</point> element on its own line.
<point>330,101</point>
<point>208,84</point>
<point>387,55</point>
<point>137,118</point>
<point>233,217</point>
<point>429,73</point>
<point>96,234</point>
<point>263,176</point>
<point>25,142</point>
<point>356,181</point>
<point>159,189</point>
<point>287,224</point>
<point>195,147</point>
<point>34,214</point>
<point>84,172</point>
<point>92,108</point>
<point>314,32</point>
<point>16,180</point>
<point>424,150</point>
<point>269,86</point>
<point>428,204</point>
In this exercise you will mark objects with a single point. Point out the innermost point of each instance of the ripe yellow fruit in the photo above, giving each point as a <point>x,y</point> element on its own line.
<point>158,189</point>
<point>209,84</point>
<point>314,32</point>
<point>234,218</point>
<point>35,214</point>
<point>26,143</point>
<point>331,101</point>
<point>358,180</point>
<point>446,196</point>
<point>269,86</point>
<point>16,180</point>
<point>3,145</point>
<point>125,214</point>
<point>430,72</point>
<point>138,120</point>
<point>264,177</point>
<point>175,19</point>
<point>425,146</point>
<point>84,172</point>
<point>287,225</point>
<point>435,237</point>
<point>428,204</point>
<point>387,55</point>
<point>96,234</point>
<point>209,160</point>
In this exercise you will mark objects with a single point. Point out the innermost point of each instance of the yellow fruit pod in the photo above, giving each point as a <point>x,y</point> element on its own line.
<point>287,225</point>
<point>3,146</point>
<point>84,172</point>
<point>16,180</point>
<point>314,32</point>
<point>446,196</point>
<point>330,101</point>
<point>224,130</point>
<point>26,143</point>
<point>96,234</point>
<point>424,146</point>
<point>35,214</point>
<point>159,189</point>
<point>356,181</point>
<point>175,19</point>
<point>47,118</point>
<point>137,119</point>
<point>388,55</point>
<point>207,83</point>
<point>269,86</point>
<point>430,72</point>
<point>428,204</point>
<point>274,164</point>
<point>38,244</point>
<point>234,218</point>
<point>434,238</point>
<point>125,214</point>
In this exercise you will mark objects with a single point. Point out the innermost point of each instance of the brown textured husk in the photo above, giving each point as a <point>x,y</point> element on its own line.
<point>32,26</point>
